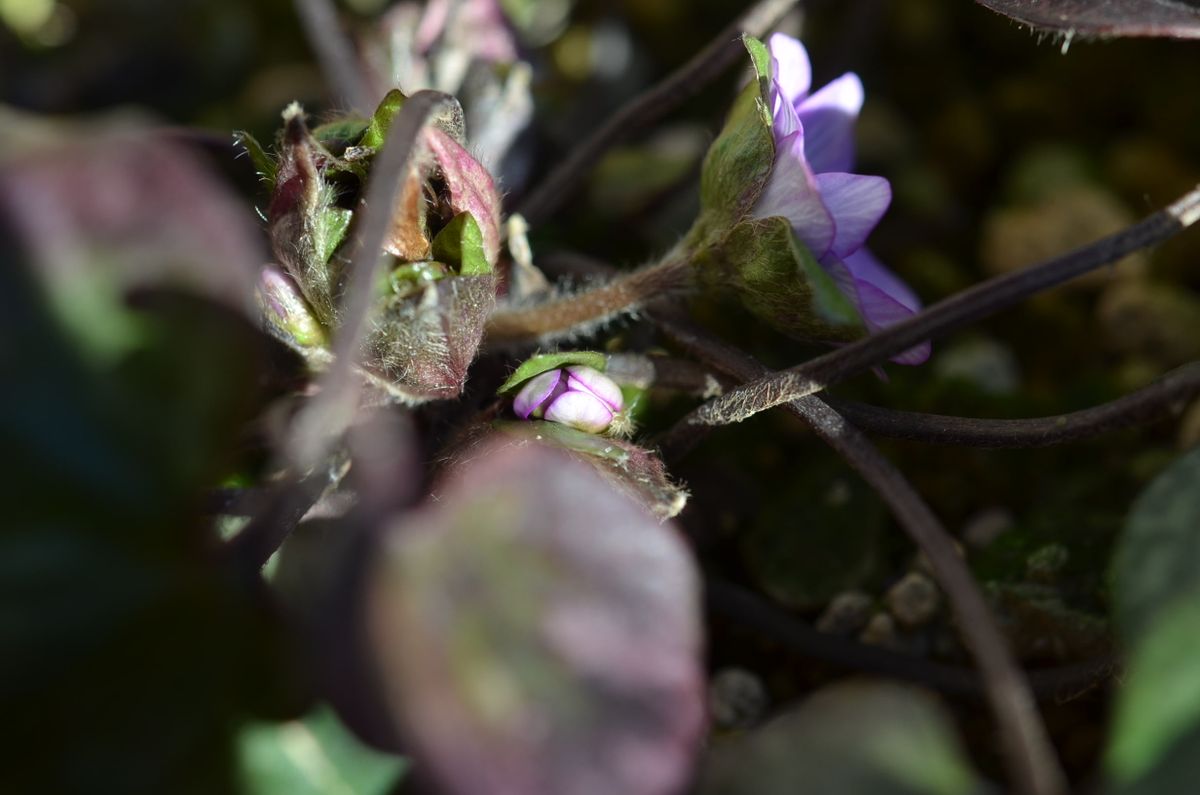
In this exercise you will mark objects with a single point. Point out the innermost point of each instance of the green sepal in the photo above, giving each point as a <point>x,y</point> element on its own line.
<point>545,362</point>
<point>740,160</point>
<point>336,135</point>
<point>381,120</point>
<point>412,277</point>
<point>264,164</point>
<point>778,279</point>
<point>633,398</point>
<point>330,230</point>
<point>460,243</point>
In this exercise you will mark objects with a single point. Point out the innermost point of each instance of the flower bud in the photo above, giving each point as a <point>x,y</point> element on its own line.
<point>443,243</point>
<point>286,313</point>
<point>579,396</point>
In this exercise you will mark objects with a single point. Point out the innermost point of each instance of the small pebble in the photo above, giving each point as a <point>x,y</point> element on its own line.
<point>736,699</point>
<point>880,631</point>
<point>914,600</point>
<point>846,613</point>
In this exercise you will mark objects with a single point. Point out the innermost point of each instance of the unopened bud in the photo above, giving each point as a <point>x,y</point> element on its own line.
<point>579,396</point>
<point>286,312</point>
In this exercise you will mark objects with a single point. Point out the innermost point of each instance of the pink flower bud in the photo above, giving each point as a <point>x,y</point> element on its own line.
<point>578,396</point>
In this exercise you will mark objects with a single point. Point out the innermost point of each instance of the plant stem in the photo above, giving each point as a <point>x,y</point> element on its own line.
<point>650,106</point>
<point>1033,765</point>
<point>569,314</point>
<point>751,612</point>
<point>943,317</point>
<point>1166,395</point>
<point>335,53</point>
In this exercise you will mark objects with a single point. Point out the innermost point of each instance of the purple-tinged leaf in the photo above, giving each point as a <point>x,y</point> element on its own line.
<point>637,472</point>
<point>1104,18</point>
<point>471,188</point>
<point>107,207</point>
<point>538,632</point>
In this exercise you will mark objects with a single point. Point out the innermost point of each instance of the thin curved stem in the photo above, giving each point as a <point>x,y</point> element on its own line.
<point>1033,765</point>
<point>751,612</point>
<point>281,509</point>
<point>943,317</point>
<point>334,52</point>
<point>724,51</point>
<point>1166,395</point>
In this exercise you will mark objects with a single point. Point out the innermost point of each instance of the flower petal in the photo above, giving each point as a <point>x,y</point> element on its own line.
<point>792,192</point>
<point>828,118</point>
<point>881,310</point>
<point>581,410</point>
<point>865,266</point>
<point>536,392</point>
<point>588,379</point>
<point>856,202</point>
<point>882,298</point>
<point>790,66</point>
<point>784,120</point>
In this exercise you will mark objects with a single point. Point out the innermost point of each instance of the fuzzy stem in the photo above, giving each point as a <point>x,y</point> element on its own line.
<point>594,306</point>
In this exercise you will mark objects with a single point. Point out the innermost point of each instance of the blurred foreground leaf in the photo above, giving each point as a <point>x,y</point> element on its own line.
<point>1155,739</point>
<point>125,640</point>
<point>538,632</point>
<point>1157,561</point>
<point>1156,729</point>
<point>850,739</point>
<point>313,756</point>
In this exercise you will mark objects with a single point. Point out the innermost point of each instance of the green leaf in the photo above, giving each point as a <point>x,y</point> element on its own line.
<point>851,739</point>
<point>1158,556</point>
<point>777,278</point>
<point>313,756</point>
<point>460,245</point>
<point>381,120</point>
<point>264,164</point>
<point>544,362</point>
<point>1160,701</point>
<point>336,135</point>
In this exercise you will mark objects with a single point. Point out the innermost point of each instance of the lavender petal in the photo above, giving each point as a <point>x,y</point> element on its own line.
<point>856,202</point>
<point>536,392</point>
<point>828,117</point>
<point>587,379</point>
<point>790,66</point>
<point>792,192</point>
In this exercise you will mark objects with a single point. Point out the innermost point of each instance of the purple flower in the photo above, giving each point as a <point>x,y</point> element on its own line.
<point>579,396</point>
<point>831,210</point>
